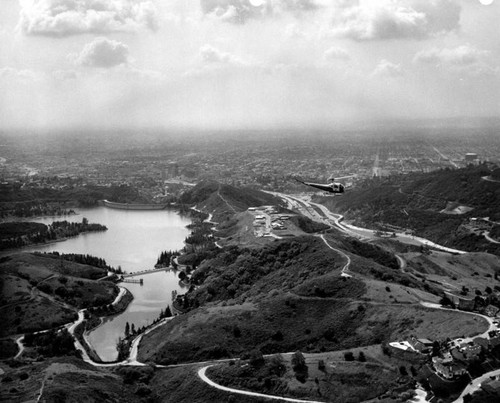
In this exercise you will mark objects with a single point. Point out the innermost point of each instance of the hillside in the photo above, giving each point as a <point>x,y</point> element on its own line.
<point>28,202</point>
<point>41,292</point>
<point>223,201</point>
<point>438,205</point>
<point>289,296</point>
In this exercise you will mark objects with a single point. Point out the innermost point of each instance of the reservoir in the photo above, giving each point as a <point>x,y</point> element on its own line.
<point>134,240</point>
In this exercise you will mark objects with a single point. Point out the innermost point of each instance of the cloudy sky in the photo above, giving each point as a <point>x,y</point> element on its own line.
<point>245,63</point>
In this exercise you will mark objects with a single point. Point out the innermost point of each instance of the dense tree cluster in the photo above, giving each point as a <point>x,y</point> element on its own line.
<point>233,271</point>
<point>307,225</point>
<point>86,259</point>
<point>165,258</point>
<point>52,343</point>
<point>17,234</point>
<point>372,252</point>
<point>35,209</point>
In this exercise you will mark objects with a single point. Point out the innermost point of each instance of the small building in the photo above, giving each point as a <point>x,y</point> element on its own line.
<point>447,367</point>
<point>466,353</point>
<point>423,346</point>
<point>405,351</point>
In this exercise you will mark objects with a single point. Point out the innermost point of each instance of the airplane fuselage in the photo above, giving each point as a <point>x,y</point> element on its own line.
<point>327,187</point>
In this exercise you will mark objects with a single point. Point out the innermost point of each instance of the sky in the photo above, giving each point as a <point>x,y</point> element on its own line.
<point>228,64</point>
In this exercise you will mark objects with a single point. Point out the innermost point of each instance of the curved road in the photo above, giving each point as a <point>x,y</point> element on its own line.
<point>329,216</point>
<point>485,335</point>
<point>19,342</point>
<point>204,378</point>
<point>486,234</point>
<point>348,259</point>
<point>475,385</point>
<point>365,233</point>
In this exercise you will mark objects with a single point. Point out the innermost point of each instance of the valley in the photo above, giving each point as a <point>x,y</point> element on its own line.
<point>285,295</point>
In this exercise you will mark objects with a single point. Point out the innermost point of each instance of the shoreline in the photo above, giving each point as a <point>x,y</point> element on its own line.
<point>132,206</point>
<point>122,301</point>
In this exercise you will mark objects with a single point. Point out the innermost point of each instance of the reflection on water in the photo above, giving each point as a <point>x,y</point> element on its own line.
<point>134,240</point>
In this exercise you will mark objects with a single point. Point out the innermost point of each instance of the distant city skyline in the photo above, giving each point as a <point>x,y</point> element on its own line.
<point>223,64</point>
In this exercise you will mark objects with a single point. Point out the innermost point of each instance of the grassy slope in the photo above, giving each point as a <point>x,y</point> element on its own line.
<point>182,384</point>
<point>24,305</point>
<point>65,380</point>
<point>38,267</point>
<point>338,381</point>
<point>476,271</point>
<point>212,196</point>
<point>301,303</point>
<point>306,324</point>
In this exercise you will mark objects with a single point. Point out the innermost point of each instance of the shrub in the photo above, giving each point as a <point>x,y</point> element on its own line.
<point>349,356</point>
<point>298,361</point>
<point>256,358</point>
<point>62,280</point>
<point>277,365</point>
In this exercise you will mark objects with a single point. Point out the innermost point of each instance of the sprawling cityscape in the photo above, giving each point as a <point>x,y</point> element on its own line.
<point>268,165</point>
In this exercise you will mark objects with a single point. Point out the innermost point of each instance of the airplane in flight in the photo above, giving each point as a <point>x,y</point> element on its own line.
<point>330,187</point>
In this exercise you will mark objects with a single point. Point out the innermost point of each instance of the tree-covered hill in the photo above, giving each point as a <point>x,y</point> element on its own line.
<point>290,296</point>
<point>23,200</point>
<point>421,202</point>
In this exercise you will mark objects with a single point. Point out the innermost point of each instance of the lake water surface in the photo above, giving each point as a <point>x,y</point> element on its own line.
<point>134,240</point>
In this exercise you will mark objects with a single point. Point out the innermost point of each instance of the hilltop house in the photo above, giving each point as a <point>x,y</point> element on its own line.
<point>447,367</point>
<point>467,352</point>
<point>423,346</point>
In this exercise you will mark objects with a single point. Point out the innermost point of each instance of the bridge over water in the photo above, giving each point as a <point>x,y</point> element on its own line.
<point>140,273</point>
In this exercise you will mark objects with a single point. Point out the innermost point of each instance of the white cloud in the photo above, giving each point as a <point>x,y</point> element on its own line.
<point>461,59</point>
<point>460,56</point>
<point>24,75</point>
<point>103,52</point>
<point>386,68</point>
<point>335,53</point>
<point>64,75</point>
<point>396,19</point>
<point>209,54</point>
<point>212,61</point>
<point>73,17</point>
<point>240,11</point>
<point>212,55</point>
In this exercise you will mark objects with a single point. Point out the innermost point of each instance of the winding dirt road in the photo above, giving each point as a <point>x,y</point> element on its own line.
<point>203,376</point>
